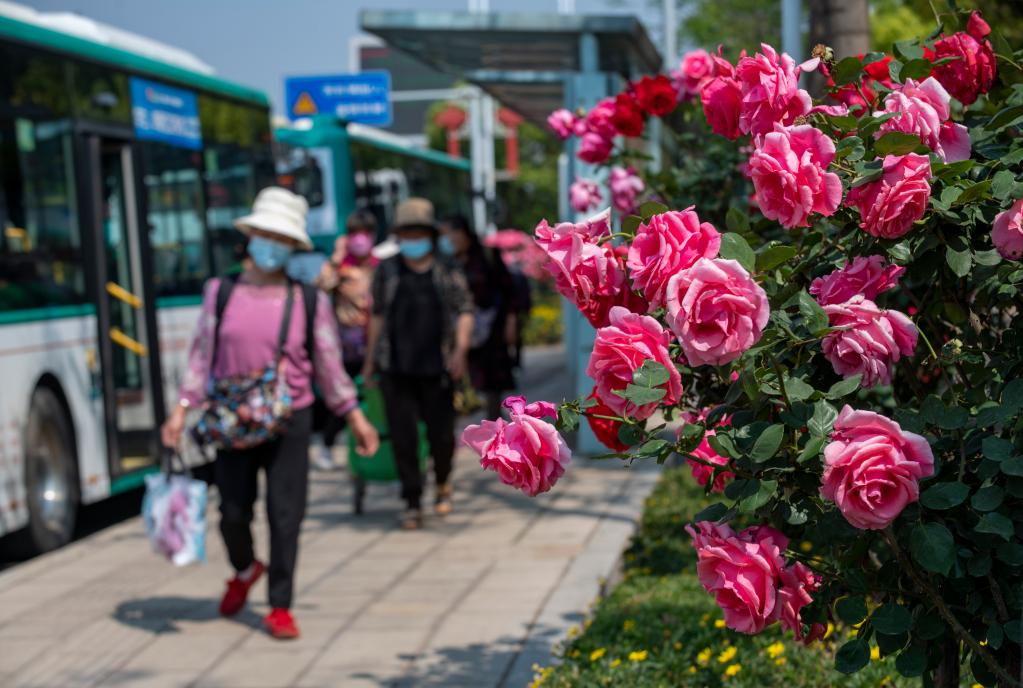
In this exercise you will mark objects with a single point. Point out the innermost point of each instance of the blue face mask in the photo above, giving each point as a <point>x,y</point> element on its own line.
<point>413,249</point>
<point>267,254</point>
<point>445,246</point>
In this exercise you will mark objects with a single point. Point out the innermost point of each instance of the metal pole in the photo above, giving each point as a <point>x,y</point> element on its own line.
<point>489,163</point>
<point>479,203</point>
<point>791,21</point>
<point>670,35</point>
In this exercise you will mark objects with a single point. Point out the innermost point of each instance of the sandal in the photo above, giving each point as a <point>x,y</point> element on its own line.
<point>442,503</point>
<point>411,519</point>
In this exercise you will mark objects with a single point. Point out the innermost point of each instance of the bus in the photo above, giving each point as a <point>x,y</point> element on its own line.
<point>122,165</point>
<point>340,167</point>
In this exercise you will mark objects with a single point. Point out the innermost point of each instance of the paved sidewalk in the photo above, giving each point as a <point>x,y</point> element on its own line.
<point>472,600</point>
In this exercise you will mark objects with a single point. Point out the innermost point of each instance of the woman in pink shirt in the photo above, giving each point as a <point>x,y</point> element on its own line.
<point>246,341</point>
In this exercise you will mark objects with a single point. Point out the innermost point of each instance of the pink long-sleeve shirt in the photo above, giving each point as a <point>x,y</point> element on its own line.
<point>248,342</point>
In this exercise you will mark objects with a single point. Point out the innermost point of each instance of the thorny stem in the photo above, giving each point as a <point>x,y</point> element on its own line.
<point>781,382</point>
<point>939,604</point>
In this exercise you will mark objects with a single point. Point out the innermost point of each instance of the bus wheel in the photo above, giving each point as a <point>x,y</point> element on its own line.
<point>51,474</point>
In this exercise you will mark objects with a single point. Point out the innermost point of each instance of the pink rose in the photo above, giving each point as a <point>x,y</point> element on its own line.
<point>620,349</point>
<point>924,112</point>
<point>594,148</point>
<point>798,581</point>
<point>598,119</point>
<point>770,91</point>
<point>1007,232</point>
<point>716,310</point>
<point>890,205</point>
<point>665,245</point>
<point>626,186</point>
<point>696,68</point>
<point>870,342</point>
<point>872,468</point>
<point>701,473</point>
<point>722,103</point>
<point>972,72</point>
<point>864,276</point>
<point>741,571</point>
<point>526,452</point>
<point>584,194</point>
<point>790,177</point>
<point>562,123</point>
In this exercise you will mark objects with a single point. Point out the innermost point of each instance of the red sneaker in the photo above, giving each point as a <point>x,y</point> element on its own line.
<point>238,590</point>
<point>281,624</point>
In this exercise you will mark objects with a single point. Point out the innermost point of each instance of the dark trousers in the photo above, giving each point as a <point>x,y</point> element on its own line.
<point>334,424</point>
<point>286,463</point>
<point>408,400</point>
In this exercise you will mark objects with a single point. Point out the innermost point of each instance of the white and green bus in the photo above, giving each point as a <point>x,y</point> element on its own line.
<point>122,165</point>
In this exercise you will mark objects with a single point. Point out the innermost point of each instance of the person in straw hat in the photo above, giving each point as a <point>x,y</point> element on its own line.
<point>419,334</point>
<point>247,324</point>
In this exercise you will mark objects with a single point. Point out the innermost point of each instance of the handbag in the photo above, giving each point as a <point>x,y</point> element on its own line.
<point>174,514</point>
<point>244,411</point>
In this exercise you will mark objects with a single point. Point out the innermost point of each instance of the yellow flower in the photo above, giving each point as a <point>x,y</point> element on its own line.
<point>677,645</point>
<point>983,643</point>
<point>780,661</point>
<point>637,656</point>
<point>705,617</point>
<point>727,654</point>
<point>886,681</point>
<point>875,653</point>
<point>573,631</point>
<point>829,631</point>
<point>776,649</point>
<point>628,625</point>
<point>733,669</point>
<point>719,623</point>
<point>704,657</point>
<point>976,685</point>
<point>806,546</point>
<point>692,668</point>
<point>597,654</point>
<point>615,663</point>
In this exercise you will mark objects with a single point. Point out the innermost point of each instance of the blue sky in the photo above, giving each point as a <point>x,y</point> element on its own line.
<point>259,42</point>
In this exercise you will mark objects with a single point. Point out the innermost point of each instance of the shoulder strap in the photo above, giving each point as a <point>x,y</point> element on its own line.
<point>309,296</point>
<point>223,294</point>
<point>282,334</point>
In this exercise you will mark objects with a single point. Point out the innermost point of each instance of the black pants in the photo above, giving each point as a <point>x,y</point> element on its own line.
<point>410,399</point>
<point>286,462</point>
<point>334,424</point>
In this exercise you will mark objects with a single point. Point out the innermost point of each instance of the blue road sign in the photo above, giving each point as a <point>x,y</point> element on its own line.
<point>363,97</point>
<point>164,113</point>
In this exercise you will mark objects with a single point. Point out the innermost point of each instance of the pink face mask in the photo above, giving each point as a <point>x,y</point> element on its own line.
<point>360,244</point>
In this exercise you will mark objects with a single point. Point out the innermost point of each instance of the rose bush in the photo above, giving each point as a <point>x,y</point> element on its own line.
<point>875,269</point>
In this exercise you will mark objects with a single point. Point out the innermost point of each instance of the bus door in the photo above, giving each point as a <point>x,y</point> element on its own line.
<point>127,343</point>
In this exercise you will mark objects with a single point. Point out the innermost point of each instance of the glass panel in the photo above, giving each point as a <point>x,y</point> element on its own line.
<point>177,231</point>
<point>40,247</point>
<point>101,94</point>
<point>32,84</point>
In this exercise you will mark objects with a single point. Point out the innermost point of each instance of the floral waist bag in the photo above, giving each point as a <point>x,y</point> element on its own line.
<point>244,411</point>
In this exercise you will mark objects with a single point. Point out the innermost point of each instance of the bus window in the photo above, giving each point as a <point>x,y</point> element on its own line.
<point>40,247</point>
<point>101,94</point>
<point>177,231</point>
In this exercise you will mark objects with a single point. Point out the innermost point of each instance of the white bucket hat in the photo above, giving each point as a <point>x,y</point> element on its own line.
<point>279,211</point>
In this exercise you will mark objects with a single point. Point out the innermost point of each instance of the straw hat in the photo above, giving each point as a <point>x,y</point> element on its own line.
<point>279,211</point>
<point>414,213</point>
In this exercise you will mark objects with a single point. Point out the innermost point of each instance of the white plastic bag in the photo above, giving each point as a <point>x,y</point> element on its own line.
<point>174,511</point>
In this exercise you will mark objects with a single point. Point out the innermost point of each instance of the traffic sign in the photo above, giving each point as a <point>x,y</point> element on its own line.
<point>363,97</point>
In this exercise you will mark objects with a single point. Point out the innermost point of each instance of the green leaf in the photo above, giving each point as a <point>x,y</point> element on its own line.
<point>852,656</point>
<point>979,565</point>
<point>896,143</point>
<point>630,435</point>
<point>813,448</point>
<point>944,495</point>
<point>891,619</point>
<point>851,610</point>
<point>762,496</point>
<point>723,445</point>
<point>988,414</point>
<point>742,488</point>
<point>651,208</point>
<point>974,191</point>
<point>631,223</point>
<point>737,221</point>
<point>916,69</point>
<point>988,498</point>
<point>1004,118</point>
<point>995,524</point>
<point>766,446</point>
<point>1002,184</point>
<point>824,415</point>
<point>959,261</point>
<point>851,147</point>
<point>797,389</point>
<point>911,50</point>
<point>652,447</point>
<point>568,420</point>
<point>1012,395</point>
<point>894,68</point>
<point>651,374</point>
<point>997,449</point>
<point>814,317</point>
<point>847,71</point>
<point>734,247</point>
<point>912,661</point>
<point>953,418</point>
<point>713,512</point>
<point>843,387</point>
<point>989,257</point>
<point>1013,466</point>
<point>640,396</point>
<point>774,256</point>
<point>932,547</point>
<point>1011,553</point>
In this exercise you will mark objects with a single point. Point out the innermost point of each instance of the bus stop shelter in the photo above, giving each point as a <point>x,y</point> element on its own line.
<point>533,63</point>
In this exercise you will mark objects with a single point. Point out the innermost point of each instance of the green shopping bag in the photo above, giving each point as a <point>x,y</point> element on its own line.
<point>380,467</point>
